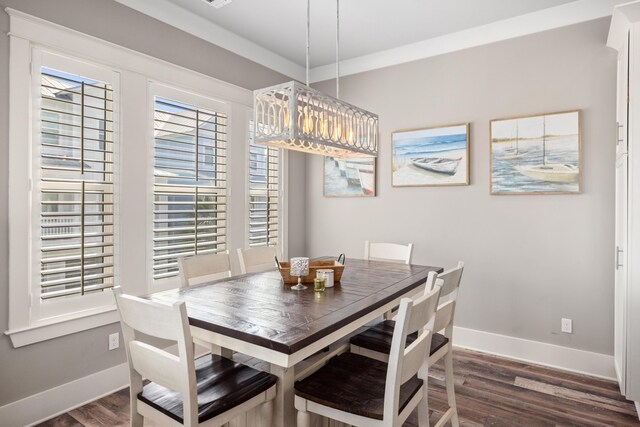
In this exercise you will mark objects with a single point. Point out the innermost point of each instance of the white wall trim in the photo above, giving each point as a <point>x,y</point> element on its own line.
<point>50,403</point>
<point>542,20</point>
<point>64,325</point>
<point>536,352</point>
<point>79,45</point>
<point>530,23</point>
<point>189,22</point>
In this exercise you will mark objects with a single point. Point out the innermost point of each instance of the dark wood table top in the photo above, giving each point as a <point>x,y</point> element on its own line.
<point>260,309</point>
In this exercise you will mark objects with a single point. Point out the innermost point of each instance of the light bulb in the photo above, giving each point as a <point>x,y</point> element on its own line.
<point>308,124</point>
<point>337,132</point>
<point>325,129</point>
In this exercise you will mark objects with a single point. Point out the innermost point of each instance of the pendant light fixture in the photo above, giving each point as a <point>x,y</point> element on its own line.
<point>297,117</point>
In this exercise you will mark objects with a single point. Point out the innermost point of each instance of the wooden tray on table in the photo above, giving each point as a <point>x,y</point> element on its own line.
<point>314,265</point>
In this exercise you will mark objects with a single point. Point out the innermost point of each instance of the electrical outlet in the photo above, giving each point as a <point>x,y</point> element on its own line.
<point>114,341</point>
<point>567,326</point>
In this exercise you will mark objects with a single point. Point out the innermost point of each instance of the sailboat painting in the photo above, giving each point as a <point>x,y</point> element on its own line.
<point>350,176</point>
<point>536,154</point>
<point>433,156</point>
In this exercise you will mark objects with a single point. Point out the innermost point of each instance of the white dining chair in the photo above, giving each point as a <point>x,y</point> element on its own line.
<point>178,390</point>
<point>256,260</point>
<point>360,391</point>
<point>199,269</point>
<point>388,252</point>
<point>375,342</point>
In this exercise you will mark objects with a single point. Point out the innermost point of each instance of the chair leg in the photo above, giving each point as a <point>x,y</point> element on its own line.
<point>136,419</point>
<point>304,419</point>
<point>451,395</point>
<point>266,413</point>
<point>423,407</point>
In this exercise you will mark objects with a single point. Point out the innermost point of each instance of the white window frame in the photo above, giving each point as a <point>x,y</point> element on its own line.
<point>137,71</point>
<point>27,324</point>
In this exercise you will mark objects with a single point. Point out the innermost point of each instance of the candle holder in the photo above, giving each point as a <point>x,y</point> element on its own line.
<point>299,268</point>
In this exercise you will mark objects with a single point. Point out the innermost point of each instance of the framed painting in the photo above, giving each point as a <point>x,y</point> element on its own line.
<point>538,154</point>
<point>350,176</point>
<point>431,156</point>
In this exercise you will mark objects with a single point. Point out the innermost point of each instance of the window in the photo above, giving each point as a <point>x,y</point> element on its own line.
<point>189,207</point>
<point>264,200</point>
<point>76,182</point>
<point>74,192</point>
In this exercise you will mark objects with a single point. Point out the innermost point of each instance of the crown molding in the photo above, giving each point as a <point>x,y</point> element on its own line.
<point>535,22</point>
<point>189,22</point>
<point>547,19</point>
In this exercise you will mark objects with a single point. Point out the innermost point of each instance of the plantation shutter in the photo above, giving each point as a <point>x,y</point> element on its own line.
<point>76,185</point>
<point>189,212</point>
<point>264,195</point>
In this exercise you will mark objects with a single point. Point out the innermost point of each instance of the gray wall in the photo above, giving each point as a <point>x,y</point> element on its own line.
<point>530,260</point>
<point>29,370</point>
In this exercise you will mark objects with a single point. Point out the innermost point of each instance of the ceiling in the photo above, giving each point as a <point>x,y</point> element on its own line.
<point>376,32</point>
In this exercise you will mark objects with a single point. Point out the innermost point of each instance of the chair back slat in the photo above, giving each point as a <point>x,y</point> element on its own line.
<point>414,357</point>
<point>256,260</point>
<point>207,278</point>
<point>450,281</point>
<point>150,318</point>
<point>404,363</point>
<point>204,268</point>
<point>422,311</point>
<point>388,252</point>
<point>156,365</point>
<point>444,315</point>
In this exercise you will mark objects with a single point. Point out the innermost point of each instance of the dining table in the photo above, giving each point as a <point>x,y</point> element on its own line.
<point>260,316</point>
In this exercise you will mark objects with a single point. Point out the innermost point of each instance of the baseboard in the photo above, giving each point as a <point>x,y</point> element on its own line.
<point>50,403</point>
<point>637,409</point>
<point>536,352</point>
<point>58,400</point>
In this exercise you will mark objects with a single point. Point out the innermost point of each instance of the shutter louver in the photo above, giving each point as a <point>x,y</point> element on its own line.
<point>76,182</point>
<point>263,193</point>
<point>189,212</point>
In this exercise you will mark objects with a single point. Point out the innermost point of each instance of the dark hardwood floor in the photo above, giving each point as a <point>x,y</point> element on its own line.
<point>490,391</point>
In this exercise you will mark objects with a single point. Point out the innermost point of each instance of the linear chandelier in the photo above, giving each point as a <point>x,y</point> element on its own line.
<point>297,117</point>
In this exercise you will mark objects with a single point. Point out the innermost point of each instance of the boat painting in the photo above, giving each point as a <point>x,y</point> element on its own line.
<point>552,154</point>
<point>350,177</point>
<point>432,156</point>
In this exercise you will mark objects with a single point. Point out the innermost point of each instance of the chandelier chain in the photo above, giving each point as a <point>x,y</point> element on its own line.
<point>338,49</point>
<point>308,18</point>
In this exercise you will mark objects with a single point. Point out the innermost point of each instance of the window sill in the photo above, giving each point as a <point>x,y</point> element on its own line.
<point>54,328</point>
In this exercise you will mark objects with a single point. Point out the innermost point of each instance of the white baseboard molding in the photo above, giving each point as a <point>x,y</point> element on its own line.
<point>536,352</point>
<point>50,403</point>
<point>637,409</point>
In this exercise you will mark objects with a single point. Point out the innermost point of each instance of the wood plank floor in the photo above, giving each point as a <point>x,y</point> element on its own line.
<point>490,391</point>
